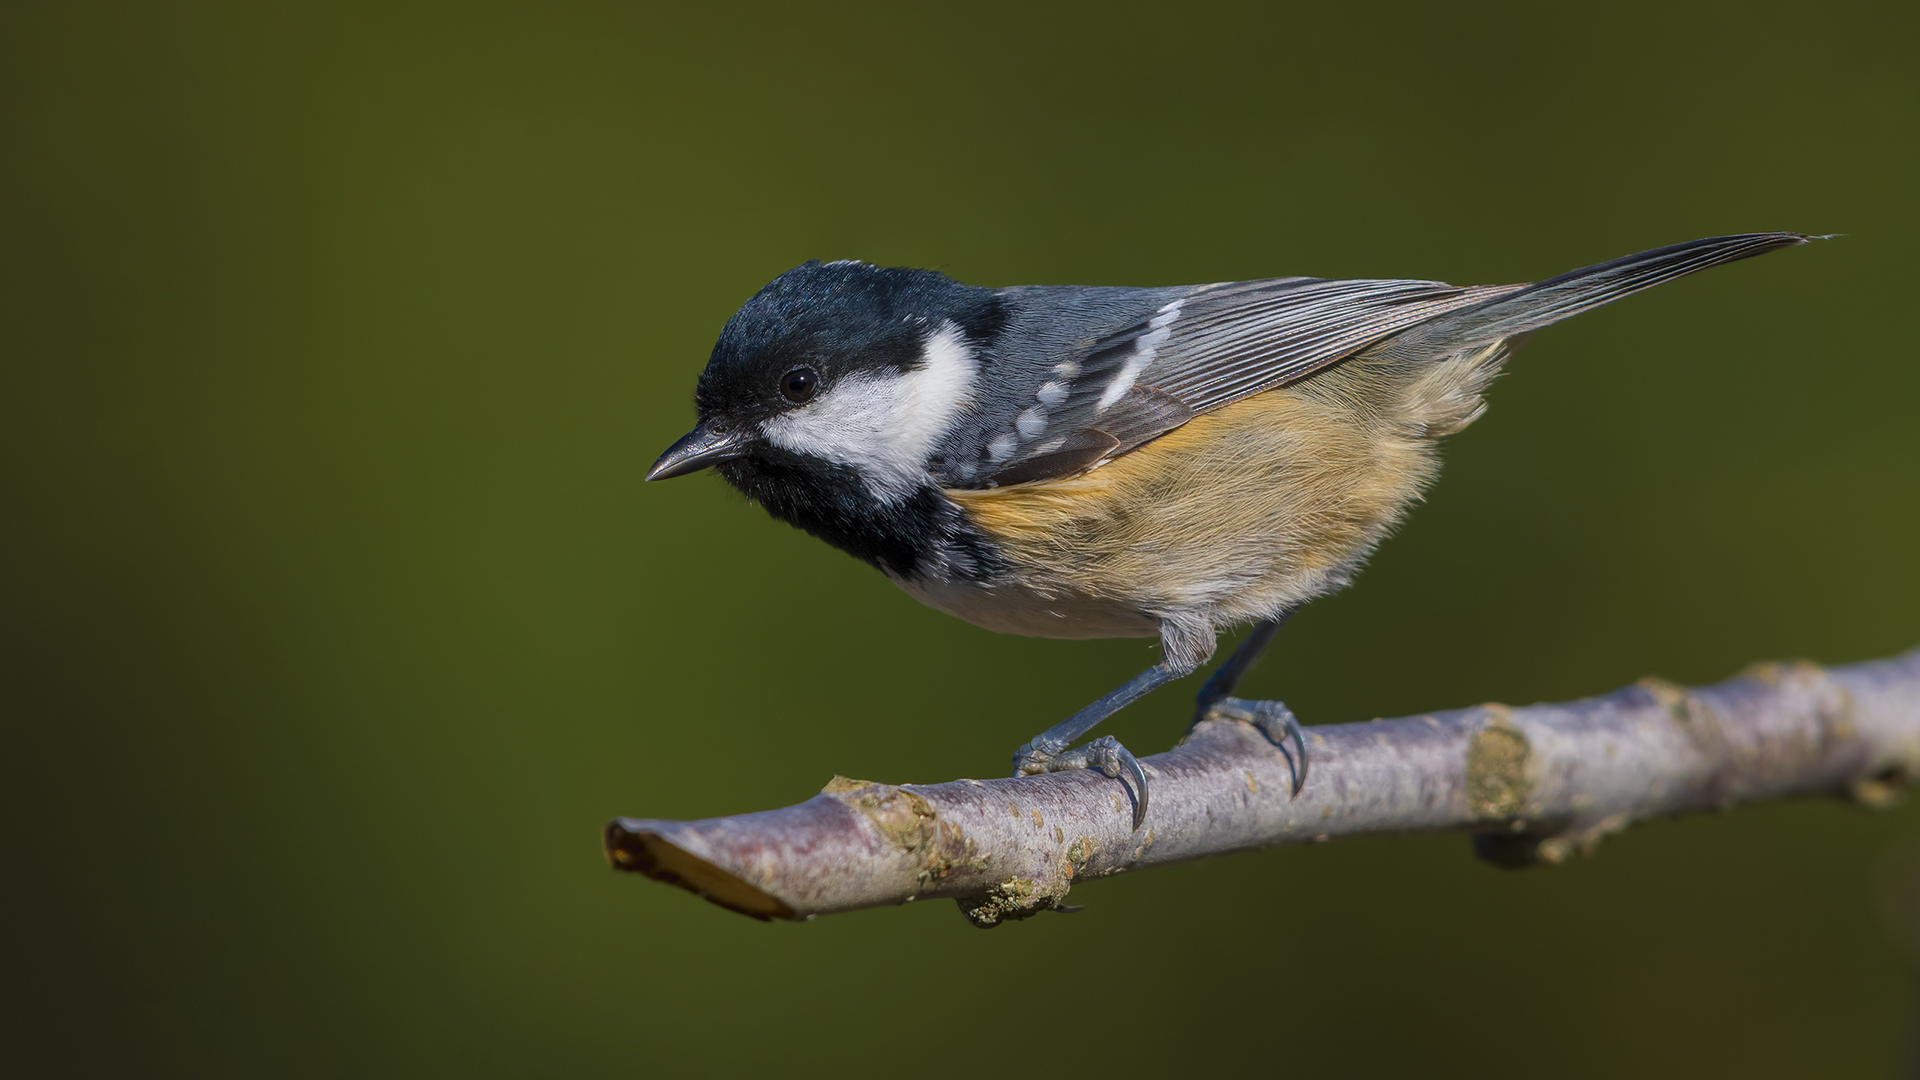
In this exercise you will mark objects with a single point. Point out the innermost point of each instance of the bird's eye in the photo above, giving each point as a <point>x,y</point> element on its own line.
<point>800,384</point>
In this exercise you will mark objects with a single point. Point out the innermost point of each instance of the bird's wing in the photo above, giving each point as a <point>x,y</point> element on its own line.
<point>1214,345</point>
<point>1219,343</point>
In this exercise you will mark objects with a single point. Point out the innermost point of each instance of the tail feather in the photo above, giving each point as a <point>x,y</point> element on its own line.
<point>1554,299</point>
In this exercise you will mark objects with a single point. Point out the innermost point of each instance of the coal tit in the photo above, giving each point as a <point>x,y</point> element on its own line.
<point>1073,462</point>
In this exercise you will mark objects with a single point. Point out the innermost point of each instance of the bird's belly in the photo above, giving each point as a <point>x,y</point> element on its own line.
<point>1015,609</point>
<point>1239,515</point>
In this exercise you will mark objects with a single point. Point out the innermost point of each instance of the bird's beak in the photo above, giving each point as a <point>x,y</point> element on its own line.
<point>699,448</point>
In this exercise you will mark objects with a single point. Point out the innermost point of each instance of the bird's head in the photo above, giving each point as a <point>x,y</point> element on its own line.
<point>839,374</point>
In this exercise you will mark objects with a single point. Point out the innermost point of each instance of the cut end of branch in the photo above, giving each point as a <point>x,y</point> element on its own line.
<point>647,853</point>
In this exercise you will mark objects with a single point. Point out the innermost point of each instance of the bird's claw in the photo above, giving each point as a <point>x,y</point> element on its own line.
<point>1276,722</point>
<point>1116,762</point>
<point>1104,755</point>
<point>1036,757</point>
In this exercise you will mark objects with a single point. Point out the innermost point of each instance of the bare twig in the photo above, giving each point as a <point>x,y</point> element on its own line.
<point>1535,784</point>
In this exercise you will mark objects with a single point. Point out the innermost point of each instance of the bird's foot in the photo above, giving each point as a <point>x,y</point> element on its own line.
<point>1274,720</point>
<point>1104,754</point>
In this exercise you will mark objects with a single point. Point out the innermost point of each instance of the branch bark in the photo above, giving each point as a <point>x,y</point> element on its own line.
<point>1533,784</point>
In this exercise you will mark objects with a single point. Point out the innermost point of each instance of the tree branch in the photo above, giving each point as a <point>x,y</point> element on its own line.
<point>1535,784</point>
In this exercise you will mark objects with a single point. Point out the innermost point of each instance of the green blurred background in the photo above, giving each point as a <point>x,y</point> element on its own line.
<point>336,340</point>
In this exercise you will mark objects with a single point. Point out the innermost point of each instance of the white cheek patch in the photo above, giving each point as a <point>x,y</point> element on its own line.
<point>884,425</point>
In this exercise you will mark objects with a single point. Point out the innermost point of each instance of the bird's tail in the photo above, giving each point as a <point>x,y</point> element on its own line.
<point>1534,306</point>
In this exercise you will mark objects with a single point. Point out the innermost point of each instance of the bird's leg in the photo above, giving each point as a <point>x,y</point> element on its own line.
<point>1220,684</point>
<point>1046,752</point>
<point>1273,718</point>
<point>1185,645</point>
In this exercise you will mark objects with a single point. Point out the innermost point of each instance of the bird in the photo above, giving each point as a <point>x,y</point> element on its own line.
<point>1093,462</point>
